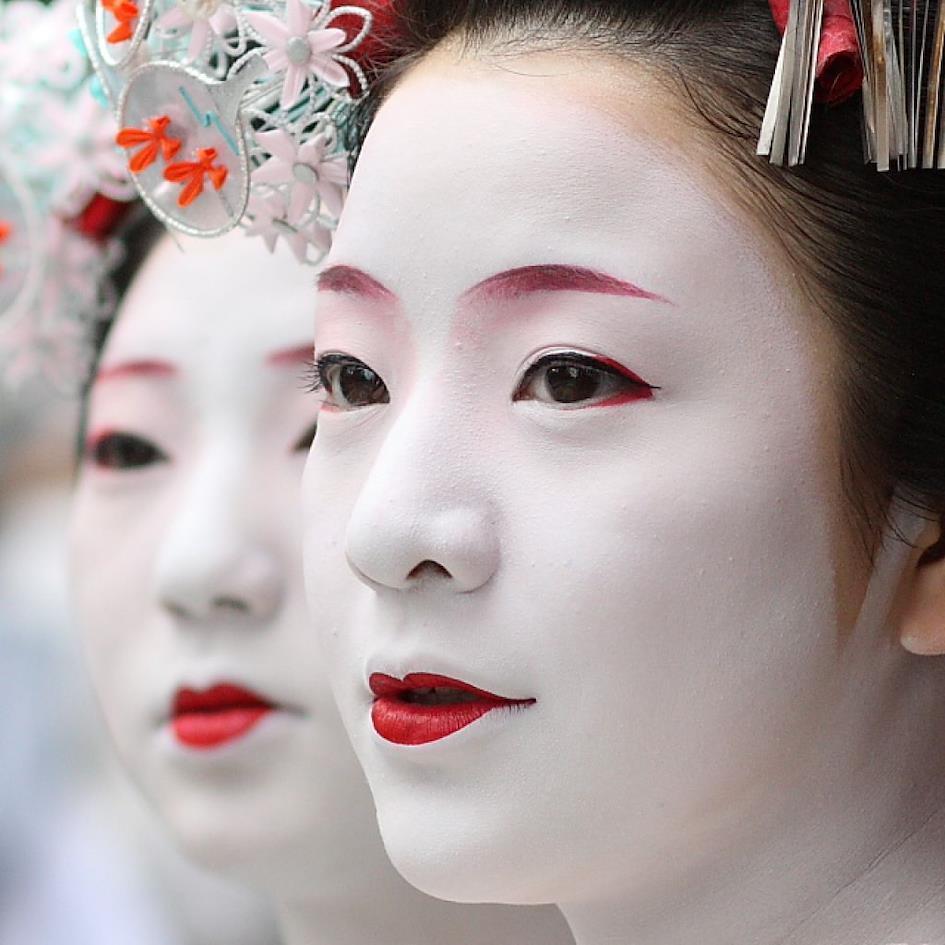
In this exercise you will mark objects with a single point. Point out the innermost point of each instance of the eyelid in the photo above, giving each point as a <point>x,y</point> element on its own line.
<point>597,361</point>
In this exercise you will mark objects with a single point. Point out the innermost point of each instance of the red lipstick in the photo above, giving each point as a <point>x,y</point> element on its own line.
<point>423,707</point>
<point>216,716</point>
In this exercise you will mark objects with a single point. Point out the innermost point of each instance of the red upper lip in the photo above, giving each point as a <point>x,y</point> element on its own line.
<point>217,699</point>
<point>383,685</point>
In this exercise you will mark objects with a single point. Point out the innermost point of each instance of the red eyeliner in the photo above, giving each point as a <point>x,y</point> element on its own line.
<point>627,397</point>
<point>95,440</point>
<point>424,707</point>
<point>643,392</point>
<point>622,371</point>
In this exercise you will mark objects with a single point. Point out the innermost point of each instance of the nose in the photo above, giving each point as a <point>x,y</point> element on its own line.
<point>423,515</point>
<point>214,562</point>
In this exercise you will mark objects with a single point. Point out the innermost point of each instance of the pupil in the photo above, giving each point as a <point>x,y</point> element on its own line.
<point>359,384</point>
<point>570,384</point>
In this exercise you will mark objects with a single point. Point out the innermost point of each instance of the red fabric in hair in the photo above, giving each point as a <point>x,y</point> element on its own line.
<point>839,65</point>
<point>377,48</point>
<point>100,218</point>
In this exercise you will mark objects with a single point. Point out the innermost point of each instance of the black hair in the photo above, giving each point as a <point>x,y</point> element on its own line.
<point>137,235</point>
<point>867,246</point>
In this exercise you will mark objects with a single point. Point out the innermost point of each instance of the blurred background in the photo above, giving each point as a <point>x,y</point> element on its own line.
<point>82,859</point>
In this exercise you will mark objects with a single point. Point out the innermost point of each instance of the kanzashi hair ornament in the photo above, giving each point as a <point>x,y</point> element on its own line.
<point>230,111</point>
<point>63,191</point>
<point>891,49</point>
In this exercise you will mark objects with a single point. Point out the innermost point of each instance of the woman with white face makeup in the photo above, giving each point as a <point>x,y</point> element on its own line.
<point>186,557</point>
<point>624,518</point>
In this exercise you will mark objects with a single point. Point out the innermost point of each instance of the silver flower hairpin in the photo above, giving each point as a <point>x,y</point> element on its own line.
<point>230,112</point>
<point>62,185</point>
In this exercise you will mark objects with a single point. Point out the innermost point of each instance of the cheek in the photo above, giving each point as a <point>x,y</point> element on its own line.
<point>716,503</point>
<point>331,485</point>
<point>327,498</point>
<point>112,546</point>
<point>686,575</point>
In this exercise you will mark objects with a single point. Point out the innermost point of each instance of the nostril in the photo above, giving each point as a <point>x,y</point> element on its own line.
<point>231,603</point>
<point>428,569</point>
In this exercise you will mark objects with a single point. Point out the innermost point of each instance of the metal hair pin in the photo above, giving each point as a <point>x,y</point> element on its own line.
<point>900,46</point>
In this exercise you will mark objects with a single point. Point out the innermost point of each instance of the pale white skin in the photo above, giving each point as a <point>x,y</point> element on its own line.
<point>727,732</point>
<point>162,552</point>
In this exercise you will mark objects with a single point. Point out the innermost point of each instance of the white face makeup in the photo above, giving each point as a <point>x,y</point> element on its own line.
<point>584,470</point>
<point>187,569</point>
<point>186,558</point>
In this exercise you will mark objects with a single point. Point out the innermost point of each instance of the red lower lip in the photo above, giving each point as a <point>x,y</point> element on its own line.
<point>401,721</point>
<point>216,716</point>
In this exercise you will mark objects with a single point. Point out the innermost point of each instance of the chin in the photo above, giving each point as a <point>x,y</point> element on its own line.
<point>217,839</point>
<point>232,828</point>
<point>456,855</point>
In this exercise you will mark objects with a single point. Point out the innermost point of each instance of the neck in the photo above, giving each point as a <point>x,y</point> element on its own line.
<point>853,851</point>
<point>379,906</point>
<point>390,912</point>
<point>844,845</point>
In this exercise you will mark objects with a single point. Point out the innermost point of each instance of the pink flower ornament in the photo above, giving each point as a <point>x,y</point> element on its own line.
<point>269,216</point>
<point>79,158</point>
<point>314,177</point>
<point>303,46</point>
<point>202,19</point>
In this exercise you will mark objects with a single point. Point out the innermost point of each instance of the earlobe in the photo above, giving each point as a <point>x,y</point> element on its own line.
<point>922,617</point>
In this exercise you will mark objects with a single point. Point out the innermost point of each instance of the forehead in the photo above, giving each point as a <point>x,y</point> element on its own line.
<point>224,302</point>
<point>474,165</point>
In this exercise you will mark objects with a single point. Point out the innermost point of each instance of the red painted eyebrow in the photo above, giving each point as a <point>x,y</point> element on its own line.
<point>503,286</point>
<point>554,278</point>
<point>136,369</point>
<point>351,281</point>
<point>288,357</point>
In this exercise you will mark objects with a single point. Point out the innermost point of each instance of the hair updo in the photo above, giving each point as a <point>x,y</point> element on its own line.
<point>867,246</point>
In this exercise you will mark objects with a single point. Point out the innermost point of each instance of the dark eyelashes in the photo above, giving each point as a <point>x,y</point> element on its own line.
<point>313,372</point>
<point>588,361</point>
<point>311,377</point>
<point>570,357</point>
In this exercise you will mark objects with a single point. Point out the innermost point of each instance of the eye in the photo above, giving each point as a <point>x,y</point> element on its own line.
<point>304,442</point>
<point>123,451</point>
<point>569,379</point>
<point>349,384</point>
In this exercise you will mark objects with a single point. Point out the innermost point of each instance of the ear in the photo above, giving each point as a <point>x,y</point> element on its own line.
<point>922,616</point>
